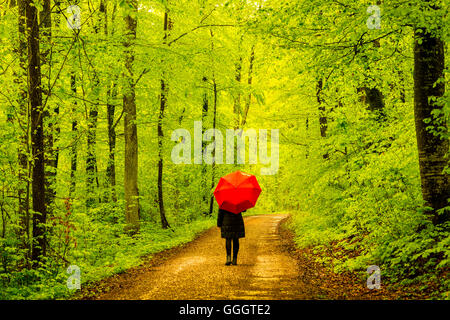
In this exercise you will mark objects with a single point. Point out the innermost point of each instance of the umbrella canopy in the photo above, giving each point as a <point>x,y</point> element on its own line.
<point>237,191</point>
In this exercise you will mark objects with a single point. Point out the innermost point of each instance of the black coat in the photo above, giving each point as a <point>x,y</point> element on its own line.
<point>231,224</point>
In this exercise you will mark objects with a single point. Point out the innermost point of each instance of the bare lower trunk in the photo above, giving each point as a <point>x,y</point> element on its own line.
<point>237,99</point>
<point>249,82</point>
<point>428,68</point>
<point>24,147</point>
<point>323,121</point>
<point>111,167</point>
<point>74,149</point>
<point>37,134</point>
<point>205,189</point>
<point>163,105</point>
<point>130,128</point>
<point>162,211</point>
<point>91,158</point>
<point>213,168</point>
<point>51,130</point>
<point>111,108</point>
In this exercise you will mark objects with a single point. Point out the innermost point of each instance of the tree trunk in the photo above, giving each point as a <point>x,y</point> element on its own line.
<point>37,134</point>
<point>205,190</point>
<point>74,148</point>
<point>237,99</point>
<point>51,155</point>
<point>428,68</point>
<point>111,167</point>
<point>323,121</point>
<point>163,105</point>
<point>91,159</point>
<point>373,97</point>
<point>307,136</point>
<point>130,127</point>
<point>24,148</point>
<point>111,109</point>
<point>249,82</point>
<point>213,168</point>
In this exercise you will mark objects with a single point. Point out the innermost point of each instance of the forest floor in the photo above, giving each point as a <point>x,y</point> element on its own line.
<point>269,267</point>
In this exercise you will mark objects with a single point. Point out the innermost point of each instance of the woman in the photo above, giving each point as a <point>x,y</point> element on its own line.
<point>232,228</point>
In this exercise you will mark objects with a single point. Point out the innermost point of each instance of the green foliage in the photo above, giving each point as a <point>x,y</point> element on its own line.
<point>102,250</point>
<point>357,187</point>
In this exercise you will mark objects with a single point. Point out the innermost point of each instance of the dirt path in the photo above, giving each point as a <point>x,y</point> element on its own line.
<point>268,268</point>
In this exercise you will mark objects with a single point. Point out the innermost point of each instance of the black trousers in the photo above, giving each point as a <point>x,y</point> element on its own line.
<point>235,246</point>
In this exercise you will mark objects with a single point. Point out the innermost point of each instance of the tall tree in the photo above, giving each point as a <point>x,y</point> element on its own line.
<point>428,69</point>
<point>37,133</point>
<point>74,120</point>
<point>323,120</point>
<point>249,82</point>
<point>205,106</point>
<point>213,166</point>
<point>130,126</point>
<point>50,131</point>
<point>162,108</point>
<point>74,147</point>
<point>24,124</point>
<point>111,108</point>
<point>91,157</point>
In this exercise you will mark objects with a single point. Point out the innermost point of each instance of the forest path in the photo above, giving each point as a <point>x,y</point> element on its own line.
<point>269,267</point>
<point>264,269</point>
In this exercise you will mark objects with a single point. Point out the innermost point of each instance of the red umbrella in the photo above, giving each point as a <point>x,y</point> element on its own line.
<point>237,191</point>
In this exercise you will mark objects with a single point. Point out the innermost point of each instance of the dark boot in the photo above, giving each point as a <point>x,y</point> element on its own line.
<point>234,262</point>
<point>228,260</point>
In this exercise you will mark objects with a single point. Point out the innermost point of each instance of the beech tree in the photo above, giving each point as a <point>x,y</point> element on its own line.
<point>130,126</point>
<point>37,133</point>
<point>429,61</point>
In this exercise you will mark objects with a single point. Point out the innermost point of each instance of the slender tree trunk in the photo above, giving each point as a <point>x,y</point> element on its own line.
<point>162,211</point>
<point>51,155</point>
<point>111,109</point>
<point>24,148</point>
<point>91,159</point>
<point>37,134</point>
<point>307,136</point>
<point>111,167</point>
<point>92,182</point>
<point>205,189</point>
<point>74,148</point>
<point>402,87</point>
<point>213,167</point>
<point>130,127</point>
<point>323,121</point>
<point>237,108</point>
<point>428,68</point>
<point>249,82</point>
<point>74,133</point>
<point>163,105</point>
<point>237,99</point>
